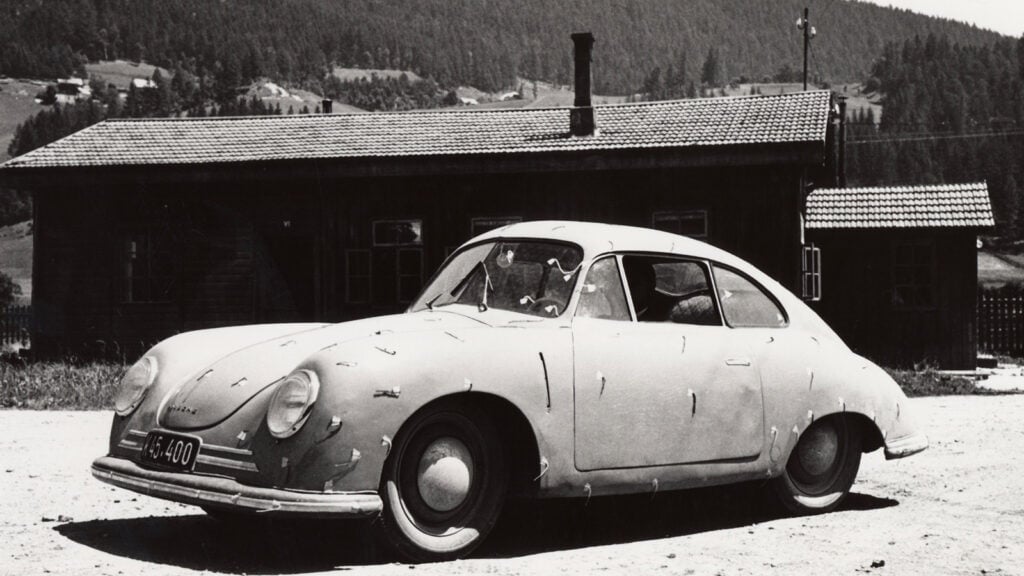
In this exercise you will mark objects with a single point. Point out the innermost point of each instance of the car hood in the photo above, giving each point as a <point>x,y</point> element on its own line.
<point>219,388</point>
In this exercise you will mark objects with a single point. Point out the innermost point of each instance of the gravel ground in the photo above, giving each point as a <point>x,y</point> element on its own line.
<point>957,508</point>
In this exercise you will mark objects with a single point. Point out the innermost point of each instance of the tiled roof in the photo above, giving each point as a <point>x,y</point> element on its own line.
<point>943,206</point>
<point>790,118</point>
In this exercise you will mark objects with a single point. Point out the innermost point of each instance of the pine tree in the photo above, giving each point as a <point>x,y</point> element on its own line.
<point>711,70</point>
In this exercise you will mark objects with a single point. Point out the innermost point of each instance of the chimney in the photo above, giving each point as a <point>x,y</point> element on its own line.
<point>581,118</point>
<point>325,105</point>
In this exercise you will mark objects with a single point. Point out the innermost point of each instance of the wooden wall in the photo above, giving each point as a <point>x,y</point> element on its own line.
<point>271,251</point>
<point>858,302</point>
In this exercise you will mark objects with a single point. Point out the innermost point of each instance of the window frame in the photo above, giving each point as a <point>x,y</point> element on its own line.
<point>502,222</point>
<point>381,244</point>
<point>756,284</point>
<point>703,212</point>
<point>932,269</point>
<point>418,250</point>
<point>127,279</point>
<point>622,286</point>
<point>349,276</point>
<point>705,263</point>
<point>810,273</point>
<point>571,304</point>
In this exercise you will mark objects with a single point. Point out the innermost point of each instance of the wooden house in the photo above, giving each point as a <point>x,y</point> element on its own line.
<point>149,227</point>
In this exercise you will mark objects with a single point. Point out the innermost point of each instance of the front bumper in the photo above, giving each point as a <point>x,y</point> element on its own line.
<point>905,446</point>
<point>227,494</point>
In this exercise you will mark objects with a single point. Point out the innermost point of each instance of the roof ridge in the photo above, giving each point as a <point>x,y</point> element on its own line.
<point>460,111</point>
<point>907,188</point>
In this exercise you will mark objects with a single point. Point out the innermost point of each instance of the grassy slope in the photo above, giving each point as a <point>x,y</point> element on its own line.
<point>16,257</point>
<point>17,103</point>
<point>120,73</point>
<point>997,269</point>
<point>349,74</point>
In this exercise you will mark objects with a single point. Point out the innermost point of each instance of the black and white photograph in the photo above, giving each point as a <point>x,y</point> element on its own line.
<point>683,287</point>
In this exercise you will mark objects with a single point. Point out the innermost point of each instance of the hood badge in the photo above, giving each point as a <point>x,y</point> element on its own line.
<point>182,408</point>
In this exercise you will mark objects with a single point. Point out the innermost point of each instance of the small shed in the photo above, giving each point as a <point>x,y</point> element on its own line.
<point>898,269</point>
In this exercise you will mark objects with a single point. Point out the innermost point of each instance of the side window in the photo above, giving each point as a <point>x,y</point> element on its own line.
<point>913,276</point>
<point>147,269</point>
<point>670,290</point>
<point>744,304</point>
<point>602,295</point>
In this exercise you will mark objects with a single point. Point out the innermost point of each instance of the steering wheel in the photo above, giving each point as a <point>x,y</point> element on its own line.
<point>541,303</point>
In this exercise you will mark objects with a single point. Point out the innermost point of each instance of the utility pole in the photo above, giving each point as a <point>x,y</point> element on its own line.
<point>809,32</point>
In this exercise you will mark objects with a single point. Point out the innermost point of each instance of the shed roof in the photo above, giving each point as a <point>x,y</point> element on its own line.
<point>940,206</point>
<point>800,118</point>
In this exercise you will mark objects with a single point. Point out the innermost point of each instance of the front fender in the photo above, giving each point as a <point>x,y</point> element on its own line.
<point>180,356</point>
<point>370,387</point>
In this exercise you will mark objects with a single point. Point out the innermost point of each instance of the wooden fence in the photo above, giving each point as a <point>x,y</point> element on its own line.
<point>14,326</point>
<point>1001,321</point>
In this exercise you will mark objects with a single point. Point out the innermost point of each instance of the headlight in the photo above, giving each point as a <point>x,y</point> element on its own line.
<point>134,385</point>
<point>290,404</point>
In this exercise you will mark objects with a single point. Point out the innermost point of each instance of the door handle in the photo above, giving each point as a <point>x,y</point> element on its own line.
<point>737,361</point>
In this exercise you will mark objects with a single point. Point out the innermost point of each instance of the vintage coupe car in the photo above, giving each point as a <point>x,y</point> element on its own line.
<point>544,359</point>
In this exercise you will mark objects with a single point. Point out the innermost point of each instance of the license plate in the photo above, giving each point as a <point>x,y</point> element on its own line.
<point>169,450</point>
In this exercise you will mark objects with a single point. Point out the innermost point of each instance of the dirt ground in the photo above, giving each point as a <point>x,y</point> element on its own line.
<point>957,508</point>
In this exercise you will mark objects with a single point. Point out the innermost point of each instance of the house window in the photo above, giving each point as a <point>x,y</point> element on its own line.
<point>398,233</point>
<point>812,273</point>
<point>478,226</point>
<point>692,223</point>
<point>147,267</point>
<point>358,276</point>
<point>409,273</point>
<point>913,276</point>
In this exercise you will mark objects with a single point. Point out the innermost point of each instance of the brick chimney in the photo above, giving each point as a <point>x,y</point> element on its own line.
<point>326,106</point>
<point>581,118</point>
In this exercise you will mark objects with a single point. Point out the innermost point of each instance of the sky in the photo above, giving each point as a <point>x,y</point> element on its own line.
<point>1004,16</point>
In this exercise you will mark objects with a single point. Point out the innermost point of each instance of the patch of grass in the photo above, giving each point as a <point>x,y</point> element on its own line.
<point>59,385</point>
<point>928,382</point>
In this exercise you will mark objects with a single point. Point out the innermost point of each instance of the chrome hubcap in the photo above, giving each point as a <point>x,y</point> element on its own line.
<point>445,474</point>
<point>818,449</point>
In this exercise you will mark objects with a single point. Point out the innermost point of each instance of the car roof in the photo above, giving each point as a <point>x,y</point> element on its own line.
<point>597,238</point>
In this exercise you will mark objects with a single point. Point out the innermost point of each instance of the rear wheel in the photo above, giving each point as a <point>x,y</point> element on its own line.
<point>822,467</point>
<point>444,483</point>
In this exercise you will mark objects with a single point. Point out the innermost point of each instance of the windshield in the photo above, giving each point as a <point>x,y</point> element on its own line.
<point>532,277</point>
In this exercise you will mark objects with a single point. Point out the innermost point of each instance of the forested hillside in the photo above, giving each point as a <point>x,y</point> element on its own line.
<point>950,114</point>
<point>481,43</point>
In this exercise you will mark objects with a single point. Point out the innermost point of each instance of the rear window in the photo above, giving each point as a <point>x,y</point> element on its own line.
<point>745,304</point>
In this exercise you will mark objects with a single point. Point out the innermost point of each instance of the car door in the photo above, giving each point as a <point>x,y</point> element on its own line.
<point>785,356</point>
<point>659,379</point>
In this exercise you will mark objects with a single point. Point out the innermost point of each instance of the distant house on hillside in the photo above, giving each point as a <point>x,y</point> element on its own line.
<point>71,90</point>
<point>149,227</point>
<point>143,83</point>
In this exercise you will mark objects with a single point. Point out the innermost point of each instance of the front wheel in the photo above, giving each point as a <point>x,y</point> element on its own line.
<point>444,483</point>
<point>822,467</point>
